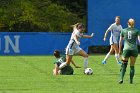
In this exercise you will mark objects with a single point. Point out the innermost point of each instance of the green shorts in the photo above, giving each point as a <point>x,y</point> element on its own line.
<point>68,70</point>
<point>128,53</point>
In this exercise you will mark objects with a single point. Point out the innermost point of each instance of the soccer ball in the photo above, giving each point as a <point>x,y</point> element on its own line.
<point>88,71</point>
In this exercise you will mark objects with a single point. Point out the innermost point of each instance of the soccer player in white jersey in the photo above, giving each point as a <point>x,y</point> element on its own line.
<point>115,30</point>
<point>73,45</point>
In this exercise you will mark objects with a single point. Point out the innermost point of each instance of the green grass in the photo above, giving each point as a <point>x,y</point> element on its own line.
<point>33,74</point>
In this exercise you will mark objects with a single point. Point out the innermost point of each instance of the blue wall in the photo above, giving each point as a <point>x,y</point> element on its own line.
<point>35,43</point>
<point>101,14</point>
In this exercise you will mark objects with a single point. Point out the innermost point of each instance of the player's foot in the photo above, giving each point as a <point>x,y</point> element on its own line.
<point>103,62</point>
<point>119,63</point>
<point>131,81</point>
<point>121,81</point>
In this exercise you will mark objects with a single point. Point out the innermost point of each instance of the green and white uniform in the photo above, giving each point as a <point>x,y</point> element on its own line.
<point>130,47</point>
<point>67,70</point>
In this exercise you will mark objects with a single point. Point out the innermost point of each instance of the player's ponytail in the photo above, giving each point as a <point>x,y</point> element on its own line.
<point>74,26</point>
<point>131,22</point>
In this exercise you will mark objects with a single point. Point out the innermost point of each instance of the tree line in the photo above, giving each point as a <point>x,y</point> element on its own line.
<point>41,15</point>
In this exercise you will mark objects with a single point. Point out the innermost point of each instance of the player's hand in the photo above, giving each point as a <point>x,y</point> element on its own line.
<point>92,35</point>
<point>104,39</point>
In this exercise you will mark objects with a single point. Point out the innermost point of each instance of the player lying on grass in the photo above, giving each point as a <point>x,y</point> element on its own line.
<point>68,70</point>
<point>74,43</point>
<point>130,50</point>
<point>115,30</point>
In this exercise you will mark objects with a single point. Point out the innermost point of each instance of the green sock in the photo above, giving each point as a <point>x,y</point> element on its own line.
<point>123,70</point>
<point>132,72</point>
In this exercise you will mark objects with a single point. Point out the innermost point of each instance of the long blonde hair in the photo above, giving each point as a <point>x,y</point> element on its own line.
<point>74,26</point>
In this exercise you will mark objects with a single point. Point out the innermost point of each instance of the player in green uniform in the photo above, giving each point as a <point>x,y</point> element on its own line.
<point>68,70</point>
<point>130,50</point>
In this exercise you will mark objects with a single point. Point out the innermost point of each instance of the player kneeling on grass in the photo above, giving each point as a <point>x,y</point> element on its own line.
<point>68,70</point>
<point>130,50</point>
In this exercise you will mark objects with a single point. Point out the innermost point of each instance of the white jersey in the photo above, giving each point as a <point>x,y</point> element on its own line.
<point>73,47</point>
<point>72,44</point>
<point>115,32</point>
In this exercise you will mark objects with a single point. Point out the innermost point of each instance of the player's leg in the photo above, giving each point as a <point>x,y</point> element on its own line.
<point>108,55</point>
<point>69,54</point>
<point>68,60</point>
<point>85,55</point>
<point>115,47</point>
<point>132,69</point>
<point>132,64</point>
<point>125,57</point>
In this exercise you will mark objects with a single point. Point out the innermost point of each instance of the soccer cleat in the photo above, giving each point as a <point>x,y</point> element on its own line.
<point>103,62</point>
<point>131,81</point>
<point>119,63</point>
<point>121,81</point>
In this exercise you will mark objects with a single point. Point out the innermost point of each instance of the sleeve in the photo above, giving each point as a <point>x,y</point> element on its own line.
<point>122,34</point>
<point>110,28</point>
<point>64,58</point>
<point>79,34</point>
<point>55,61</point>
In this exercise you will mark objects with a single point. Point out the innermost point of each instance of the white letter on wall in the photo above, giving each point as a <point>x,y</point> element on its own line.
<point>8,42</point>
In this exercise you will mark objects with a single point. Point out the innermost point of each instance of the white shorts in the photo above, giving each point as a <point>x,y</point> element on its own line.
<point>113,40</point>
<point>73,50</point>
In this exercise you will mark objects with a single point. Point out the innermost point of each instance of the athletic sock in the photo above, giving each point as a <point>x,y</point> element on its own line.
<point>123,70</point>
<point>85,62</point>
<point>132,72</point>
<point>107,56</point>
<point>117,57</point>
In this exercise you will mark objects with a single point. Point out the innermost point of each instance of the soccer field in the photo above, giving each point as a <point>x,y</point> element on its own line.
<point>33,74</point>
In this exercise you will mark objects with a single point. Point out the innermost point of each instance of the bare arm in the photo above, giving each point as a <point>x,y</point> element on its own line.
<point>55,70</point>
<point>106,35</point>
<point>76,40</point>
<point>139,39</point>
<point>88,36</point>
<point>75,64</point>
<point>120,44</point>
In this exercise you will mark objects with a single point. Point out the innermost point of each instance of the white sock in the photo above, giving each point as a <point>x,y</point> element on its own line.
<point>62,65</point>
<point>107,56</point>
<point>117,57</point>
<point>85,62</point>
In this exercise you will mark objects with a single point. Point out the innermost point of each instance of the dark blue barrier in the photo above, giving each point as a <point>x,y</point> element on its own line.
<point>34,43</point>
<point>101,14</point>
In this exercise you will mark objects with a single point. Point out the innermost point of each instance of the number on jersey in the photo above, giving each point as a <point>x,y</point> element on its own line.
<point>129,35</point>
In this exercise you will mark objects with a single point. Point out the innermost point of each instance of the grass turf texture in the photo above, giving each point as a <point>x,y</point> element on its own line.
<point>33,74</point>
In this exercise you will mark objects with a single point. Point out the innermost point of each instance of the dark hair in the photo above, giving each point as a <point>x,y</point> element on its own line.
<point>56,53</point>
<point>80,25</point>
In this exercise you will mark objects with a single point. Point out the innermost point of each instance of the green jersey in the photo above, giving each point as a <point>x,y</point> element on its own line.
<point>130,36</point>
<point>68,70</point>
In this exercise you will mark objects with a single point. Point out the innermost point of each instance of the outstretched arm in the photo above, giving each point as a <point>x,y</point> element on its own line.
<point>56,70</point>
<point>88,36</point>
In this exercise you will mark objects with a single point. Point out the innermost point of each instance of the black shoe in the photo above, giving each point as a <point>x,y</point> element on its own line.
<point>120,82</point>
<point>131,81</point>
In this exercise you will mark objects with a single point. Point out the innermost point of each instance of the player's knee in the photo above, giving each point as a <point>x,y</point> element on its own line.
<point>68,62</point>
<point>86,55</point>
